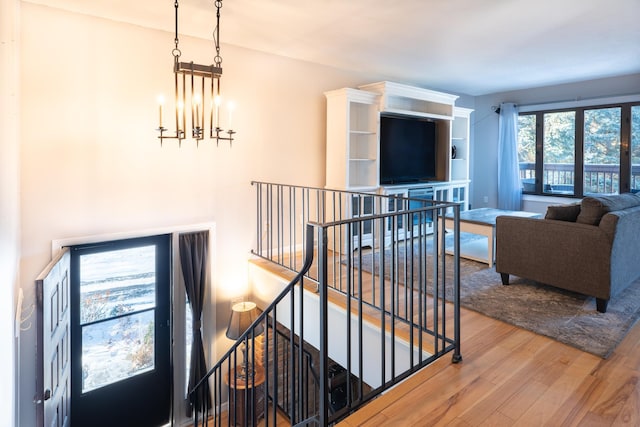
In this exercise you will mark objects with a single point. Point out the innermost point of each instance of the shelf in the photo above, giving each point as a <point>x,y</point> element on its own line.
<point>459,169</point>
<point>418,114</point>
<point>362,160</point>
<point>362,132</point>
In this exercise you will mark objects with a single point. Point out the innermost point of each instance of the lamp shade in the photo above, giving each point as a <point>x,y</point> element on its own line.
<point>242,316</point>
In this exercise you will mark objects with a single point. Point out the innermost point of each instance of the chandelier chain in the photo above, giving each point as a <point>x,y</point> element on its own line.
<point>176,51</point>
<point>216,35</point>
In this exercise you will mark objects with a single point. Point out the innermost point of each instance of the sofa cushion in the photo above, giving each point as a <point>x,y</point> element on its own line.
<point>568,212</point>
<point>594,208</point>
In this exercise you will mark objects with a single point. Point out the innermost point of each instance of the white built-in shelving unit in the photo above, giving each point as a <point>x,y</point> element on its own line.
<point>460,140</point>
<point>352,139</point>
<point>353,122</point>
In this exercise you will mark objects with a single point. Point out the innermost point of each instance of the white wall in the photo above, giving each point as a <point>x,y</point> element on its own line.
<point>485,148</point>
<point>9,205</point>
<point>91,163</point>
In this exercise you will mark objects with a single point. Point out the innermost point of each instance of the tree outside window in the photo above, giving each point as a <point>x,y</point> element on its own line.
<point>559,150</point>
<point>602,150</point>
<point>635,148</point>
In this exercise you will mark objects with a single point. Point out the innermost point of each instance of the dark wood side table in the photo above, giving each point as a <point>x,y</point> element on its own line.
<point>249,395</point>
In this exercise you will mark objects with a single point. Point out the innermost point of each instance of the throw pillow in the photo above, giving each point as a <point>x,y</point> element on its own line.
<point>592,211</point>
<point>594,208</point>
<point>568,212</point>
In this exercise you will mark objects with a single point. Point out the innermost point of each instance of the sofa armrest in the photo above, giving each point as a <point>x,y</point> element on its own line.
<point>623,226</point>
<point>569,255</point>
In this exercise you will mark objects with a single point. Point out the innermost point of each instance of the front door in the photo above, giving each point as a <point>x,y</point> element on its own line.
<point>52,291</point>
<point>120,333</point>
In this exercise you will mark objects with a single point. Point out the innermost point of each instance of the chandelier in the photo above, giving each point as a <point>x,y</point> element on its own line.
<point>197,88</point>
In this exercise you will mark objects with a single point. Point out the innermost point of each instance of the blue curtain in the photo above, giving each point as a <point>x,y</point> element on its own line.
<point>509,186</point>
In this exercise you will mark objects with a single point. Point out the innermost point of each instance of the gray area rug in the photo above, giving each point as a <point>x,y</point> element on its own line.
<point>564,316</point>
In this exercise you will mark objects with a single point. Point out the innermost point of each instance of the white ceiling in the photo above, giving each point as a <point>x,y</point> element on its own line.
<point>474,47</point>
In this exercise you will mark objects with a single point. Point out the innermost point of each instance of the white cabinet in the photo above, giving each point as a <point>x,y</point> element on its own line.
<point>352,139</point>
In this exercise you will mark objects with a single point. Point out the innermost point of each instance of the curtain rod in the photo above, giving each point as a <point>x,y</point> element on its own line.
<point>577,102</point>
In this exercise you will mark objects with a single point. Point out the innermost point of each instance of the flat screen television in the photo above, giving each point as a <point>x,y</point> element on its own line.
<point>407,149</point>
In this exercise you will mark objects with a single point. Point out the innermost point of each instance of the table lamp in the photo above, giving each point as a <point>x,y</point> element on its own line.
<point>243,315</point>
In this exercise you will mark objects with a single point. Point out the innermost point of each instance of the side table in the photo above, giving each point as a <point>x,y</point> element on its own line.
<point>249,395</point>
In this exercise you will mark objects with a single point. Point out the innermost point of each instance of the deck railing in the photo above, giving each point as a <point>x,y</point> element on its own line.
<point>560,177</point>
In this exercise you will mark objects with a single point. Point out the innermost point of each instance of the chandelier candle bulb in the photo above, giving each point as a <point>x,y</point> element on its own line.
<point>211,108</point>
<point>193,119</point>
<point>160,104</point>
<point>218,101</point>
<point>196,104</point>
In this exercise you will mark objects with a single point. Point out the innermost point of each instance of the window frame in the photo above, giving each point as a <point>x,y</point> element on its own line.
<point>625,162</point>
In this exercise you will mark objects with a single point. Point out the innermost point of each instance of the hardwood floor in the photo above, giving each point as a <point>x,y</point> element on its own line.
<point>510,376</point>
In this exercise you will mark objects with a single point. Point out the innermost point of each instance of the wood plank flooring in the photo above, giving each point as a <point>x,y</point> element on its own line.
<point>510,377</point>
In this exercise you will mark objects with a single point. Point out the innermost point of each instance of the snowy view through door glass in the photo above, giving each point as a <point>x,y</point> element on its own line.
<point>117,302</point>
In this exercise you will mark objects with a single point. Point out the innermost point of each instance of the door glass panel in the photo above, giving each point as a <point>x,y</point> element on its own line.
<point>635,148</point>
<point>116,282</point>
<point>395,205</point>
<point>602,150</point>
<point>362,206</point>
<point>421,199</point>
<point>559,147</point>
<point>117,309</point>
<point>527,151</point>
<point>113,350</point>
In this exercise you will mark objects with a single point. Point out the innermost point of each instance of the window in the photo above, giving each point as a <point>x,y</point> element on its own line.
<point>559,148</point>
<point>601,150</point>
<point>580,151</point>
<point>527,151</point>
<point>635,148</point>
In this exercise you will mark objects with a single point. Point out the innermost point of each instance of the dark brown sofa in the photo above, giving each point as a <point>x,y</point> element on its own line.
<point>592,247</point>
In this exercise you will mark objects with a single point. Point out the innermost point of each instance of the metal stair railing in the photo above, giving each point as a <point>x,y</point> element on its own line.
<point>394,306</point>
<point>259,390</point>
